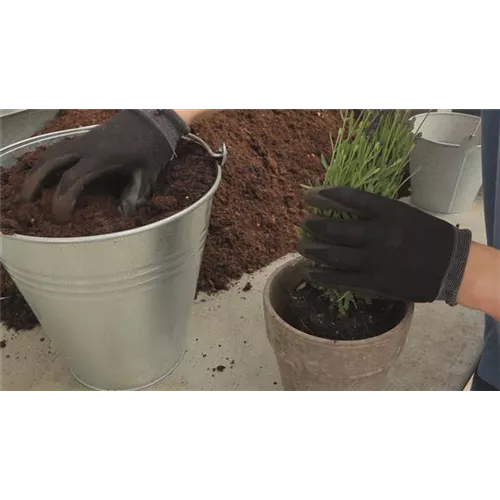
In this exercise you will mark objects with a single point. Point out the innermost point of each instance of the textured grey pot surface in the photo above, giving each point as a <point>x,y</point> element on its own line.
<point>308,363</point>
<point>116,306</point>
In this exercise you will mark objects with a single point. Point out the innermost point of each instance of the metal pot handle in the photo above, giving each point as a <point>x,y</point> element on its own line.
<point>220,155</point>
<point>470,143</point>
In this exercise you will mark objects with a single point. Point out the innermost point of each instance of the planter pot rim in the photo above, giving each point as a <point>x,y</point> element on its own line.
<point>444,113</point>
<point>101,237</point>
<point>311,338</point>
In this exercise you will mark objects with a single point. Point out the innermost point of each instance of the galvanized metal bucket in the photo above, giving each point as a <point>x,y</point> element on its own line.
<point>117,306</point>
<point>446,163</point>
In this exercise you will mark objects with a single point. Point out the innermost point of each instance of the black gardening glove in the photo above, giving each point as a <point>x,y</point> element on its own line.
<point>135,142</point>
<point>391,251</point>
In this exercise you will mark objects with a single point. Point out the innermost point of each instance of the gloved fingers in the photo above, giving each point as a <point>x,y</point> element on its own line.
<point>338,232</point>
<point>135,193</point>
<point>73,183</point>
<point>345,281</point>
<point>61,148</point>
<point>42,174</point>
<point>342,281</point>
<point>336,257</point>
<point>346,199</point>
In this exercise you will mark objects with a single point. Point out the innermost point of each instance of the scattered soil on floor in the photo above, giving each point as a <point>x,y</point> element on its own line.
<point>311,312</point>
<point>259,203</point>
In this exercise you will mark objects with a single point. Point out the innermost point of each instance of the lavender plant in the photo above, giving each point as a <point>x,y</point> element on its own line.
<point>369,153</point>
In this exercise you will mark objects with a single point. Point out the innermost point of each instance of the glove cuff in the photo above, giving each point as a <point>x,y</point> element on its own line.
<point>169,123</point>
<point>455,272</point>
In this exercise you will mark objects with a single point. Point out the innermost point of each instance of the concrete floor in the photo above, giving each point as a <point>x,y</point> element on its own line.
<point>441,352</point>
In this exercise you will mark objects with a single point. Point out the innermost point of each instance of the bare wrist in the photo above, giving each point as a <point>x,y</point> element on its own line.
<point>192,115</point>
<point>480,288</point>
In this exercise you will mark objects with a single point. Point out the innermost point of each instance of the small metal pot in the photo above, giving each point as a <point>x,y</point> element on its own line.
<point>117,306</point>
<point>446,174</point>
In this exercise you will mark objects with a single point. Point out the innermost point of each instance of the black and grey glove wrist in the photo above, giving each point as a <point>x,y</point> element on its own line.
<point>169,123</point>
<point>138,143</point>
<point>454,275</point>
<point>388,250</point>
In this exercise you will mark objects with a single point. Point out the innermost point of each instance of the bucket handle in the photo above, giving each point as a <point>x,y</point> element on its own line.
<point>470,138</point>
<point>465,147</point>
<point>476,130</point>
<point>220,155</point>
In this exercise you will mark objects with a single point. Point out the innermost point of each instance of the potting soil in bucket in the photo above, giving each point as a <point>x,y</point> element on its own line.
<point>446,162</point>
<point>113,293</point>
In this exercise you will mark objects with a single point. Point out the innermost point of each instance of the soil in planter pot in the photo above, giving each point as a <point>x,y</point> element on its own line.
<point>310,312</point>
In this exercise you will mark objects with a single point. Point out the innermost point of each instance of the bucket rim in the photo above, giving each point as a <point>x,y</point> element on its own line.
<point>445,113</point>
<point>101,237</point>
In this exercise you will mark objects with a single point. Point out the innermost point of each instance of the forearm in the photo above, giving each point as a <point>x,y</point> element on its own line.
<point>174,124</point>
<point>192,115</point>
<point>480,288</point>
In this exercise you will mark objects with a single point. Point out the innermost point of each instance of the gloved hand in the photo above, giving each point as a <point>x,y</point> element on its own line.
<point>391,250</point>
<point>134,142</point>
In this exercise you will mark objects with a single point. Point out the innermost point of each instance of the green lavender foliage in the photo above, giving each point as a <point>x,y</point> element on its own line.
<point>369,153</point>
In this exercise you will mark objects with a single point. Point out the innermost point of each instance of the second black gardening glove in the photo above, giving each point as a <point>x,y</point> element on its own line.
<point>391,250</point>
<point>137,143</point>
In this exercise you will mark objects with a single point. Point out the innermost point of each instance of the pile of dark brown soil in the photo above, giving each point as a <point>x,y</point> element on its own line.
<point>74,118</point>
<point>259,203</point>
